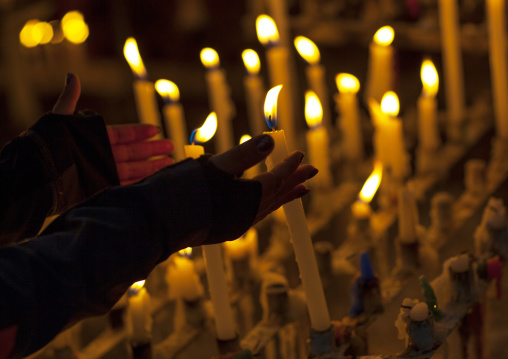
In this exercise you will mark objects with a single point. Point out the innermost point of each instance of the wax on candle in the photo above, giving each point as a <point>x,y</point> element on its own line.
<point>428,133</point>
<point>144,90</point>
<point>182,277</point>
<point>380,72</point>
<point>140,313</point>
<point>299,231</point>
<point>173,115</point>
<point>349,121</point>
<point>220,99</point>
<point>460,263</point>
<point>254,90</point>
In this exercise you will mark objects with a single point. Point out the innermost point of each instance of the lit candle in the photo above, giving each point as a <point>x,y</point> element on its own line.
<point>380,72</point>
<point>254,90</point>
<point>452,58</point>
<point>219,97</point>
<point>315,73</point>
<point>317,141</point>
<point>215,274</point>
<point>408,217</point>
<point>140,313</point>
<point>144,90</point>
<point>427,108</point>
<point>361,209</point>
<point>254,170</point>
<point>350,120</point>
<point>496,16</point>
<point>243,247</point>
<point>182,277</point>
<point>297,223</point>
<point>173,116</point>
<point>277,57</point>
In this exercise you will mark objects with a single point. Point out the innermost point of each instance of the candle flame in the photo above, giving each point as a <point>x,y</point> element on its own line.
<point>266,30</point>
<point>74,27</point>
<point>251,61</point>
<point>26,36</point>
<point>307,49</point>
<point>271,106</point>
<point>209,58</point>
<point>136,287</point>
<point>43,31</point>
<point>372,183</point>
<point>384,36</point>
<point>390,104</point>
<point>206,131</point>
<point>347,83</point>
<point>131,53</point>
<point>313,110</point>
<point>168,90</point>
<point>245,138</point>
<point>186,252</point>
<point>430,78</point>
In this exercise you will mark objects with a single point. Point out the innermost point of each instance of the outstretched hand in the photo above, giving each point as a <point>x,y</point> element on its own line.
<point>281,185</point>
<point>131,149</point>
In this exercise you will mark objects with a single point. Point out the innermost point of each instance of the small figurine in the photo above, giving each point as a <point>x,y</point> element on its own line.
<point>430,298</point>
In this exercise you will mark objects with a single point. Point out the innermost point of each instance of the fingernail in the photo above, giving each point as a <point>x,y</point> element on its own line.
<point>265,144</point>
<point>313,173</point>
<point>68,79</point>
<point>303,193</point>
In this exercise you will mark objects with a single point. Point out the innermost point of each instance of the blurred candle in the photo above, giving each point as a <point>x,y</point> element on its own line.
<point>496,19</point>
<point>315,73</point>
<point>140,313</point>
<point>254,170</point>
<point>317,141</point>
<point>220,99</point>
<point>173,116</point>
<point>380,74</point>
<point>182,277</point>
<point>214,264</point>
<point>254,90</point>
<point>452,59</point>
<point>277,57</point>
<point>361,209</point>
<point>297,223</point>
<point>243,247</point>
<point>428,133</point>
<point>144,90</point>
<point>349,121</point>
<point>408,217</point>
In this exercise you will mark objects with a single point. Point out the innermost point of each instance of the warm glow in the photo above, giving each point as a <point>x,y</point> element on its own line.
<point>313,109</point>
<point>266,30</point>
<point>43,31</point>
<point>390,104</point>
<point>271,106</point>
<point>384,36</point>
<point>372,183</point>
<point>131,53</point>
<point>137,285</point>
<point>307,49</point>
<point>245,138</point>
<point>168,90</point>
<point>26,35</point>
<point>206,132</point>
<point>347,83</point>
<point>209,58</point>
<point>58,35</point>
<point>186,252</point>
<point>251,61</point>
<point>74,27</point>
<point>429,78</point>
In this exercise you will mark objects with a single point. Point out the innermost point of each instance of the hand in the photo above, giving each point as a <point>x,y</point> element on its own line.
<point>281,185</point>
<point>131,150</point>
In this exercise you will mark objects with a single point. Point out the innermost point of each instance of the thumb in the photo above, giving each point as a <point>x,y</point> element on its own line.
<point>244,156</point>
<point>66,104</point>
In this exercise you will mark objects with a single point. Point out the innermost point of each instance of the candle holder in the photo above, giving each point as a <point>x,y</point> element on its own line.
<point>322,344</point>
<point>228,346</point>
<point>277,303</point>
<point>141,350</point>
<point>441,216</point>
<point>421,335</point>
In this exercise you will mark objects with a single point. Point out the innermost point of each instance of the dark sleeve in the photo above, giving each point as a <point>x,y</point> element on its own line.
<point>89,256</point>
<point>57,163</point>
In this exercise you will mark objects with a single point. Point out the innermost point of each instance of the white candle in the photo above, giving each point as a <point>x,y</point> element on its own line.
<point>315,73</point>
<point>297,223</point>
<point>140,313</point>
<point>277,57</point>
<point>173,116</point>
<point>349,121</point>
<point>428,133</point>
<point>496,17</point>
<point>408,217</point>
<point>220,99</point>
<point>254,91</point>
<point>380,75</point>
<point>317,142</point>
<point>215,273</point>
<point>182,277</point>
<point>144,90</point>
<point>452,58</point>
<point>254,170</point>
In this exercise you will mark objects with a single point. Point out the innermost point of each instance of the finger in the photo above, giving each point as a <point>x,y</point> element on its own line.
<point>297,192</point>
<point>66,103</point>
<point>141,150</point>
<point>140,169</point>
<point>122,134</point>
<point>273,180</point>
<point>244,156</point>
<point>300,175</point>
